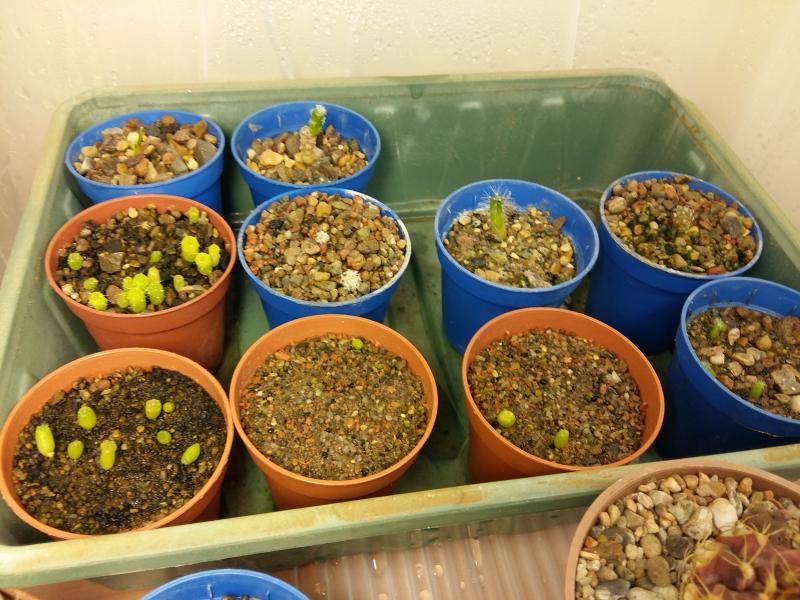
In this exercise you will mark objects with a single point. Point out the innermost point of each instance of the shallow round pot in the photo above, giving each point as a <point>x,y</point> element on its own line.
<point>703,416</point>
<point>281,308</point>
<point>204,505</point>
<point>639,298</point>
<point>202,185</point>
<point>491,456</point>
<point>469,301</point>
<point>218,583</point>
<point>290,490</point>
<point>194,329</point>
<point>660,470</point>
<point>291,116</point>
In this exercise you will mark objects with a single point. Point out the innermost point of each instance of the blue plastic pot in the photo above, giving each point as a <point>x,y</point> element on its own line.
<point>202,185</point>
<point>291,116</point>
<point>281,308</point>
<point>469,301</point>
<point>215,584</point>
<point>702,416</point>
<point>639,298</point>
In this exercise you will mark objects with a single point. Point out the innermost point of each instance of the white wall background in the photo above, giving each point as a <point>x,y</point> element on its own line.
<point>736,59</point>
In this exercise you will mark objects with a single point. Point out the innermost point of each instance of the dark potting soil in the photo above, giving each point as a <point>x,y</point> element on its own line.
<point>753,354</point>
<point>531,252</point>
<point>120,254</point>
<point>324,248</point>
<point>147,480</point>
<point>140,152</point>
<point>334,407</point>
<point>686,230</point>
<point>551,381</point>
<point>302,158</point>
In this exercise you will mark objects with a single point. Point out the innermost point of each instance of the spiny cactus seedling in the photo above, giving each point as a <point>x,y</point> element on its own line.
<point>718,327</point>
<point>317,119</point>
<point>90,284</point>
<point>155,291</point>
<point>153,275</point>
<point>497,215</point>
<point>141,281</point>
<point>98,301</point>
<point>193,214</point>
<point>747,564</point>
<point>137,300</point>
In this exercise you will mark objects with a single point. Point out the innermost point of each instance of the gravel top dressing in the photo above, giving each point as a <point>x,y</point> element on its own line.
<point>334,408</point>
<point>310,155</point>
<point>753,354</point>
<point>673,226</point>
<point>147,152</point>
<point>142,261</point>
<point>146,444</point>
<point>559,397</point>
<point>506,245</point>
<point>324,248</point>
<point>693,537</point>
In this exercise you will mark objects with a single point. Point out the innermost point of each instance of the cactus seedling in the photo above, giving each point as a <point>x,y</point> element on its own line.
<point>203,262</point>
<point>497,216</point>
<point>164,437</point>
<point>108,454</point>
<point>98,301</point>
<point>178,282</point>
<point>317,119</point>
<point>153,275</point>
<point>214,252</point>
<point>45,443</point>
<point>561,438</point>
<point>718,327</point>
<point>357,343</point>
<point>506,418</point>
<point>156,256</point>
<point>155,291</point>
<point>190,246</point>
<point>756,390</point>
<point>87,418</point>
<point>75,449</point>
<point>152,408</point>
<point>191,454</point>
<point>137,300</point>
<point>168,407</point>
<point>75,261</point>
<point>193,214</point>
<point>140,281</point>
<point>90,284</point>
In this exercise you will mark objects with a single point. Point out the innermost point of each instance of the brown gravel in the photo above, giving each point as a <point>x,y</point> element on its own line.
<point>324,247</point>
<point>147,481</point>
<point>300,158</point>
<point>534,253</point>
<point>753,354</point>
<point>325,409</point>
<point>552,380</point>
<point>122,247</point>
<point>140,152</point>
<point>686,230</point>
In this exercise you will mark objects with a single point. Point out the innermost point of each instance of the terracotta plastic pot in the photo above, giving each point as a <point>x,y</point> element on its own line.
<point>194,329</point>
<point>204,505</point>
<point>491,456</point>
<point>290,490</point>
<point>761,481</point>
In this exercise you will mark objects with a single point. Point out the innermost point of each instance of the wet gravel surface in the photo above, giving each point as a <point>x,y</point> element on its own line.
<point>119,254</point>
<point>551,381</point>
<point>532,252</point>
<point>324,248</point>
<point>334,408</point>
<point>682,229</point>
<point>663,542</point>
<point>147,480</point>
<point>139,152</point>
<point>753,354</point>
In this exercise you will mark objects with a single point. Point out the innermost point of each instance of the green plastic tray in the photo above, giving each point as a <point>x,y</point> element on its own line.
<point>573,131</point>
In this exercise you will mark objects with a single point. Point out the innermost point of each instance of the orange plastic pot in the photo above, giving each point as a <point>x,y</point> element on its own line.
<point>204,505</point>
<point>290,490</point>
<point>762,480</point>
<point>194,329</point>
<point>491,456</point>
